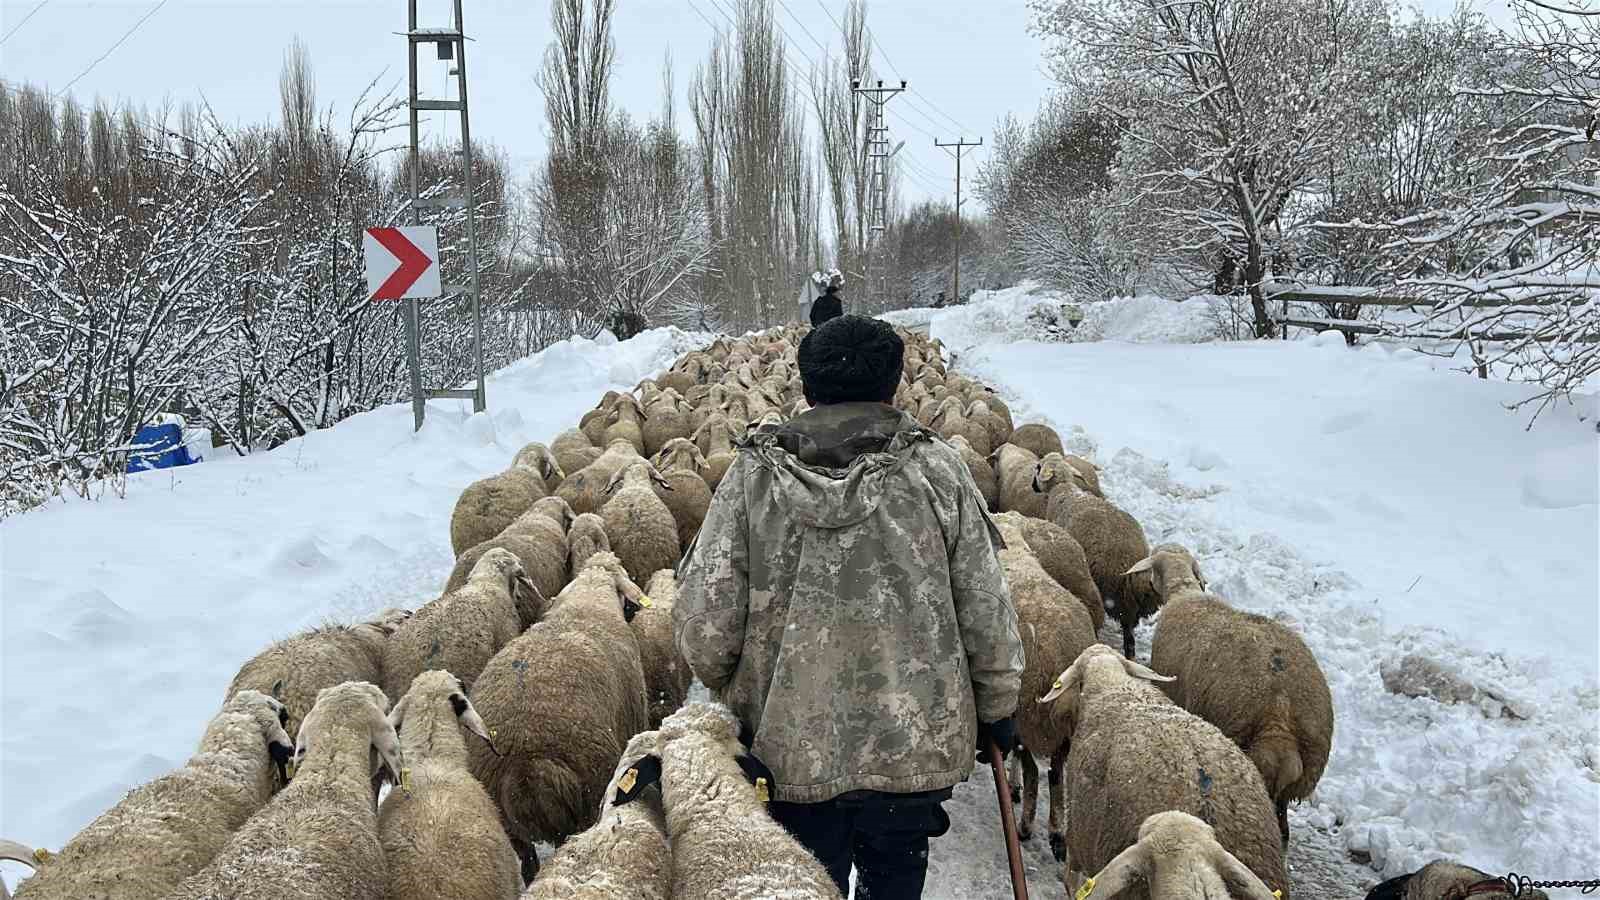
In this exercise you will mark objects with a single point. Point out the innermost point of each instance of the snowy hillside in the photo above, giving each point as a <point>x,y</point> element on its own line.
<point>1380,506</point>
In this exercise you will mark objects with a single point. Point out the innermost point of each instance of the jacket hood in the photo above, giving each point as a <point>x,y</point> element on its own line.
<point>831,463</point>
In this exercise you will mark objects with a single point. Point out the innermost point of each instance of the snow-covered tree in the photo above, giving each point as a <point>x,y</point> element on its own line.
<point>1509,261</point>
<point>1231,110</point>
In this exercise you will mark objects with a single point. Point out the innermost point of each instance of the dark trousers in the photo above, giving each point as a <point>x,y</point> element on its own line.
<point>884,835</point>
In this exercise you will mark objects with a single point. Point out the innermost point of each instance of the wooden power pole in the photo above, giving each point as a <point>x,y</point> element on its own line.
<point>961,146</point>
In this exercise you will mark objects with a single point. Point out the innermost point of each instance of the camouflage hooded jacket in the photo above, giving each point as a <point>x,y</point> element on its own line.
<point>844,597</point>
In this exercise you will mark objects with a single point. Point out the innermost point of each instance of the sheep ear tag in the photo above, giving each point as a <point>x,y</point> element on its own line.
<point>1086,890</point>
<point>640,775</point>
<point>759,775</point>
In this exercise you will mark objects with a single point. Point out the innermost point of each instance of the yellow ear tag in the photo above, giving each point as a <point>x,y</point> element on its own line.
<point>762,793</point>
<point>1056,686</point>
<point>645,601</point>
<point>289,769</point>
<point>405,780</point>
<point>42,856</point>
<point>1087,889</point>
<point>628,780</point>
<point>1278,894</point>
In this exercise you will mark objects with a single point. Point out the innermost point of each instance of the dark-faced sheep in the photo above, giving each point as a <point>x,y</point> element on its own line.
<point>166,830</point>
<point>1446,880</point>
<point>318,838</point>
<point>441,833</point>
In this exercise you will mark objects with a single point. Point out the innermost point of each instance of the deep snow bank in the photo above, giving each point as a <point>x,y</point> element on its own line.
<point>124,620</point>
<point>1380,507</point>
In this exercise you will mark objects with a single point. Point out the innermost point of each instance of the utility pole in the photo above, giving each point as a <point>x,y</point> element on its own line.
<point>878,141</point>
<point>451,44</point>
<point>961,146</point>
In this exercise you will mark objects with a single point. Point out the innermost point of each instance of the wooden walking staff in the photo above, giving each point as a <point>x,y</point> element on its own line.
<point>1008,821</point>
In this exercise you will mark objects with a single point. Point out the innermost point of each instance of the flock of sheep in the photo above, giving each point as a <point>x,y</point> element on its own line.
<point>542,699</point>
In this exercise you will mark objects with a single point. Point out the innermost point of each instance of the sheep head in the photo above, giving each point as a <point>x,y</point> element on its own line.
<point>554,508</point>
<point>1054,470</point>
<point>357,706</point>
<point>500,567</point>
<point>1178,847</point>
<point>639,769</point>
<point>537,456</point>
<point>434,693</point>
<point>1010,526</point>
<point>1168,568</point>
<point>700,734</point>
<point>641,474</point>
<point>1097,668</point>
<point>271,716</point>
<point>585,538</point>
<point>606,566</point>
<point>681,453</point>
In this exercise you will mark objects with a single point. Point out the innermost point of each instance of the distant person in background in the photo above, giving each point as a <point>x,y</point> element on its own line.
<point>828,306</point>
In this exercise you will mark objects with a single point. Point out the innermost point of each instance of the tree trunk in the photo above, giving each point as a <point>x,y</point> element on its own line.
<point>1254,271</point>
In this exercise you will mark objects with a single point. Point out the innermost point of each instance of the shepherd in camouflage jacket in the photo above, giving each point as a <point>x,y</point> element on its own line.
<point>844,597</point>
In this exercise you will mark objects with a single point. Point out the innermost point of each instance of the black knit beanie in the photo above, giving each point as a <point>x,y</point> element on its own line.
<point>851,359</point>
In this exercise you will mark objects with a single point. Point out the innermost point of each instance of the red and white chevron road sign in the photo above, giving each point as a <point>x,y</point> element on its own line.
<point>402,262</point>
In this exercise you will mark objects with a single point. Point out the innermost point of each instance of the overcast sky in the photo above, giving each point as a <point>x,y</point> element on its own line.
<point>968,61</point>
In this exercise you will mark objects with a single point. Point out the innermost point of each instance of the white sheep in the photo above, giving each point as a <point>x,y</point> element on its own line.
<point>584,490</point>
<point>1014,471</point>
<point>1177,857</point>
<point>573,451</point>
<point>463,629</point>
<point>725,845</point>
<point>166,830</point>
<point>539,457</point>
<point>585,538</point>
<point>624,855</point>
<point>1135,753</point>
<point>562,700</point>
<point>318,838</point>
<point>538,538</point>
<point>686,493</point>
<point>1251,676</point>
<point>666,675</point>
<point>441,834</point>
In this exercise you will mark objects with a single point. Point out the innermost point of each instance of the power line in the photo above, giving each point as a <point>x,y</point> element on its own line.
<point>113,49</point>
<point>878,47</point>
<point>24,21</point>
<point>803,27</point>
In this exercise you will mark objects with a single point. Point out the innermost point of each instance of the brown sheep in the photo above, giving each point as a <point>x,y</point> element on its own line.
<point>561,702</point>
<point>585,538</point>
<point>573,450</point>
<point>1062,556</point>
<point>666,676</point>
<point>665,420</point>
<point>982,412</point>
<point>488,505</point>
<point>950,421</point>
<point>716,440</point>
<point>1267,693</point>
<point>296,669</point>
<point>1055,629</point>
<point>461,630</point>
<point>538,538</point>
<point>1446,880</point>
<point>1014,470</point>
<point>538,457</point>
<point>1135,754</point>
<point>979,468</point>
<point>584,490</point>
<point>1111,539</point>
<point>595,421</point>
<point>1040,440</point>
<point>687,495</point>
<point>626,423</point>
<point>640,526</point>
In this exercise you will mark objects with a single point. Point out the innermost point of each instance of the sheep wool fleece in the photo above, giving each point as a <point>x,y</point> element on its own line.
<point>845,598</point>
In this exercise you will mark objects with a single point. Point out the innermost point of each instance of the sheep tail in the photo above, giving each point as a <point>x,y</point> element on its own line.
<point>1276,751</point>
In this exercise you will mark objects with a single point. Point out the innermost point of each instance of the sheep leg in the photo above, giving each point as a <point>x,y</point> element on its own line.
<point>1283,821</point>
<point>1014,774</point>
<point>530,859</point>
<point>1058,804</point>
<point>1129,619</point>
<point>1030,794</point>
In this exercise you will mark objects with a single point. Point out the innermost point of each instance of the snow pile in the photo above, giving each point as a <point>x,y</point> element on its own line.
<point>1149,319</point>
<point>1383,509</point>
<point>124,620</point>
<point>1029,312</point>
